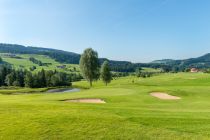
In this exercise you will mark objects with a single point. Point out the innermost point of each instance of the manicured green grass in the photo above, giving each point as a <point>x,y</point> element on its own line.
<point>130,111</point>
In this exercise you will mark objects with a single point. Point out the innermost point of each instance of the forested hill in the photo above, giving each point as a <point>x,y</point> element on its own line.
<point>58,55</point>
<point>199,62</point>
<point>119,66</point>
<point>62,56</point>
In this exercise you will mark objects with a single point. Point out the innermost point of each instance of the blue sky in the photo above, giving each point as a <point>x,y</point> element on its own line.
<point>134,30</point>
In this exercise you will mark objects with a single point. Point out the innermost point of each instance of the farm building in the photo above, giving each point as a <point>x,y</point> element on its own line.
<point>194,70</point>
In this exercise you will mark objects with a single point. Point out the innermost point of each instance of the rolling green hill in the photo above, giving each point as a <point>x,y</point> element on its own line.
<point>58,55</point>
<point>22,61</point>
<point>199,62</point>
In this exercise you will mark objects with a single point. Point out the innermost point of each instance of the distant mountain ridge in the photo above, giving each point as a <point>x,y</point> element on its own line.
<point>163,61</point>
<point>204,58</point>
<point>199,62</point>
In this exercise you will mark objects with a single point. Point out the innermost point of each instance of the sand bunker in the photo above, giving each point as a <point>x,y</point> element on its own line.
<point>96,101</point>
<point>164,96</point>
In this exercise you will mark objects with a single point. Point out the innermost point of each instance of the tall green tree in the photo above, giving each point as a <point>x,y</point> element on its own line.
<point>20,77</point>
<point>49,75</point>
<point>4,71</point>
<point>106,74</point>
<point>89,65</point>
<point>36,81</point>
<point>10,78</point>
<point>42,78</point>
<point>29,81</point>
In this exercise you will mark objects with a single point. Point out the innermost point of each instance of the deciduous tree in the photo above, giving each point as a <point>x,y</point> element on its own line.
<point>106,74</point>
<point>89,65</point>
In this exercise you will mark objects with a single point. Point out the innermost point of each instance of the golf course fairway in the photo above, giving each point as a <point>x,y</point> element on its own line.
<point>128,112</point>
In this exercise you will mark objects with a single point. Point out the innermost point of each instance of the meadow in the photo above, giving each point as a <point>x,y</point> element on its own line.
<point>25,63</point>
<point>130,112</point>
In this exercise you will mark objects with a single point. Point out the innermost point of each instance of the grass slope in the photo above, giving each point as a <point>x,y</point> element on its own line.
<point>26,63</point>
<point>130,112</point>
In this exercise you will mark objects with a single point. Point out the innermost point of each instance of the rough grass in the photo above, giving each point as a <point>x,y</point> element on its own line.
<point>129,113</point>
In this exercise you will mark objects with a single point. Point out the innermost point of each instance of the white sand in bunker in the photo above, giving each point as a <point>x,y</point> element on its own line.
<point>164,96</point>
<point>96,101</point>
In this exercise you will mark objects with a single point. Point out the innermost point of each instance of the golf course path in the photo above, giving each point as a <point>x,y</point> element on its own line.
<point>164,96</point>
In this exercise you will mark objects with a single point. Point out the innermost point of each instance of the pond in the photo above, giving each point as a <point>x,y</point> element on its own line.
<point>63,90</point>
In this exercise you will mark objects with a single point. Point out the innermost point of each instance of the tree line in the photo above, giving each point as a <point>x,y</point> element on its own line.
<point>25,78</point>
<point>38,62</point>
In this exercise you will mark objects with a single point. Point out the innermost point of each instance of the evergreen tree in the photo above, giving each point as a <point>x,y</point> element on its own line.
<point>29,82</point>
<point>10,79</point>
<point>49,75</point>
<point>4,71</point>
<point>42,78</point>
<point>20,78</point>
<point>55,80</point>
<point>16,83</point>
<point>36,81</point>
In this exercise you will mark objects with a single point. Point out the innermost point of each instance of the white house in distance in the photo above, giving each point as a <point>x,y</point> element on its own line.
<point>194,70</point>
